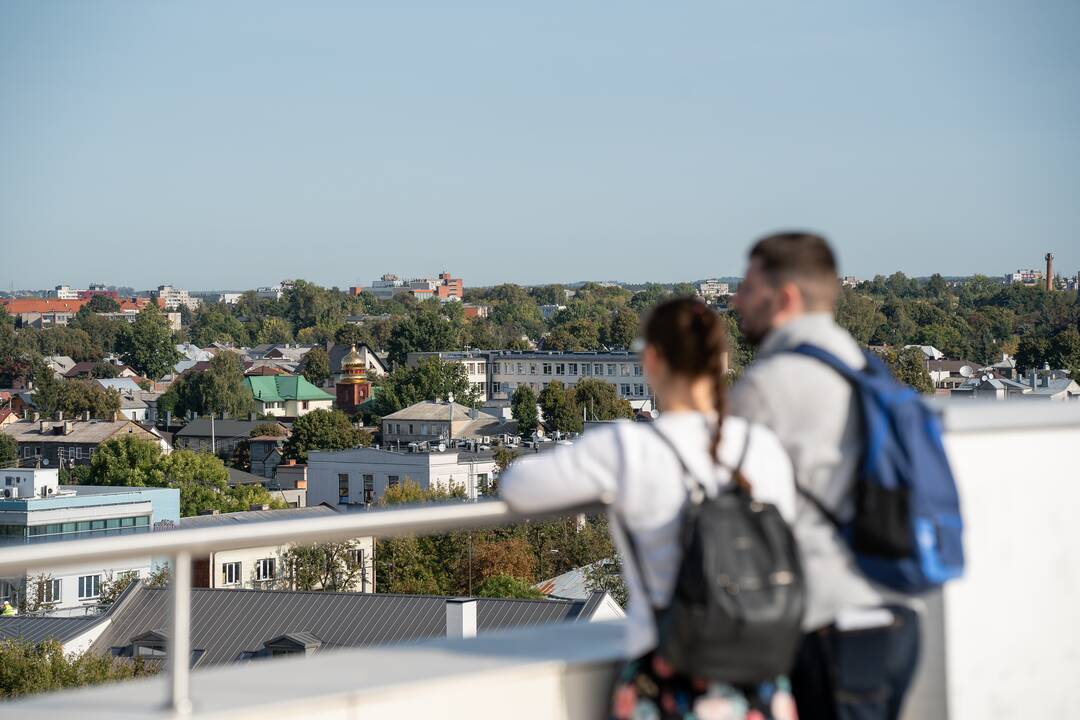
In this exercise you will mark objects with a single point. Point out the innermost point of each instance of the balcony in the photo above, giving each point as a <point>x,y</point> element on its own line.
<point>998,644</point>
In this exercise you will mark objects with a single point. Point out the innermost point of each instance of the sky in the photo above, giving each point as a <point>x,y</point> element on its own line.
<point>229,145</point>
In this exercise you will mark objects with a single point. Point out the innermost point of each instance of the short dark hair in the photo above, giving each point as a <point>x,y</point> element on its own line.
<point>802,258</point>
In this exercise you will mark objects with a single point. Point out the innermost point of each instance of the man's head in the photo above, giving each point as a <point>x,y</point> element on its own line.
<point>790,274</point>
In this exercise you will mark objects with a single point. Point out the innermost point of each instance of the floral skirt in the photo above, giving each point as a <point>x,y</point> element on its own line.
<point>649,689</point>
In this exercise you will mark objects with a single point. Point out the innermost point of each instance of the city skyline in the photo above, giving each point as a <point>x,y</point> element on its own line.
<point>150,144</point>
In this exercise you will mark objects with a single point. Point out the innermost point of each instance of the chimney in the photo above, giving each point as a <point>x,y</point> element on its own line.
<point>259,507</point>
<point>36,416</point>
<point>86,416</point>
<point>59,415</point>
<point>251,417</point>
<point>460,618</point>
<point>43,425</point>
<point>1049,272</point>
<point>69,425</point>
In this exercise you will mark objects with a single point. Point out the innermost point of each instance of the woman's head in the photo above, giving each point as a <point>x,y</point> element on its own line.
<point>685,355</point>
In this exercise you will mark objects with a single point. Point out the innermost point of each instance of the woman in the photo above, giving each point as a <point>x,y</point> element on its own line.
<point>629,466</point>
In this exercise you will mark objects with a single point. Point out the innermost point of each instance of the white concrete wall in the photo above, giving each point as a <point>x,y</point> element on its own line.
<point>426,469</point>
<point>247,557</point>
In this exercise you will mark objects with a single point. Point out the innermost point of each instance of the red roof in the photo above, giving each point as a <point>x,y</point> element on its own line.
<point>17,306</point>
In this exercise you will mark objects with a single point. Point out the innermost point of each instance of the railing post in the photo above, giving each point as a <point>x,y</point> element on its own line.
<point>180,636</point>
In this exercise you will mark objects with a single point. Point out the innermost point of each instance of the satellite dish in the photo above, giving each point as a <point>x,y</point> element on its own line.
<point>654,413</point>
<point>966,371</point>
<point>45,461</point>
<point>442,447</point>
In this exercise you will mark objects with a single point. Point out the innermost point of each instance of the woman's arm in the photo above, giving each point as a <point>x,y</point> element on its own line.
<point>566,476</point>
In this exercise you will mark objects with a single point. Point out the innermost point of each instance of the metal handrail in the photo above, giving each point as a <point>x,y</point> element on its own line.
<point>182,544</point>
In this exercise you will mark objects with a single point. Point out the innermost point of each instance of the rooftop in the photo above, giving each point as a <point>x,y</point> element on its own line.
<point>279,388</point>
<point>249,516</point>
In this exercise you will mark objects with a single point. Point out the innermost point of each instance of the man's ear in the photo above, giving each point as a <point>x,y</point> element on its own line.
<point>791,299</point>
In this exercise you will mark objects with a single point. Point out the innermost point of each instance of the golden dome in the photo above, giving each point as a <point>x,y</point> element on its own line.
<point>352,359</point>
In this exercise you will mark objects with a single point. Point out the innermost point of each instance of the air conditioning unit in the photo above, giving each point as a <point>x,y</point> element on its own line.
<point>7,492</point>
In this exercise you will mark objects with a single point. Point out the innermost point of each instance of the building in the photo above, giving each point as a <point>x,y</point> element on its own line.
<point>473,312</point>
<point>172,298</point>
<point>263,567</point>
<point>230,298</point>
<point>445,288</point>
<point>272,293</point>
<point>289,396</point>
<point>39,313</point>
<point>230,626</point>
<point>289,352</point>
<point>64,443</point>
<point>509,370</point>
<point>713,289</point>
<point>374,366</point>
<point>64,292</point>
<point>35,508</point>
<point>475,363</point>
<point>849,281</point>
<point>434,422</point>
<point>217,435</point>
<point>61,365</point>
<point>360,476</point>
<point>1025,277</point>
<point>1047,385</point>
<point>353,389</point>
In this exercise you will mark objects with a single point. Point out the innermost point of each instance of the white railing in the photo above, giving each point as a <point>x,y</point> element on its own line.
<point>182,544</point>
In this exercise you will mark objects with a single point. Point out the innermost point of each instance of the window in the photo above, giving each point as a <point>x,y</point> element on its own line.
<point>264,569</point>
<point>60,454</point>
<point>360,561</point>
<point>481,367</point>
<point>521,368</point>
<point>410,429</point>
<point>392,480</point>
<point>572,367</point>
<point>148,649</point>
<point>496,387</point>
<point>560,368</point>
<point>304,405</point>
<point>230,573</point>
<point>624,369</point>
<point>639,390</point>
<point>89,587</point>
<point>547,368</point>
<point>637,370</point>
<point>611,369</point>
<point>423,428</point>
<point>532,368</point>
<point>343,487</point>
<point>482,484</point>
<point>597,369</point>
<point>471,368</point>
<point>369,489</point>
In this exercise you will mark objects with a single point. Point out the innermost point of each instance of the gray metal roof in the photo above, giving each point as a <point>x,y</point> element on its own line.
<point>228,428</point>
<point>248,516</point>
<point>38,628</point>
<point>226,624</point>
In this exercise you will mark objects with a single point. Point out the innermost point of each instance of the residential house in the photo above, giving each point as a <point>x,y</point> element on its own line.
<point>173,298</point>
<point>34,507</point>
<point>132,404</point>
<point>265,454</point>
<point>61,365</point>
<point>263,566</point>
<point>229,626</point>
<point>64,443</point>
<point>294,497</point>
<point>436,422</point>
<point>713,289</point>
<point>86,370</point>
<point>74,633</point>
<point>217,435</point>
<point>287,395</point>
<point>360,476</point>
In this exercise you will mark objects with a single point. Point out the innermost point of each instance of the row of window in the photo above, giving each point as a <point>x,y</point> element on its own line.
<point>572,369</point>
<point>474,368</point>
<point>626,390</point>
<point>75,452</point>
<point>82,526</point>
<point>51,589</point>
<point>369,487</point>
<point>415,428</point>
<point>232,573</point>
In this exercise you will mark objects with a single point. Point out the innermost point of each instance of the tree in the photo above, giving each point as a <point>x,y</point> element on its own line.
<point>909,366</point>
<point>218,389</point>
<point>267,428</point>
<point>606,576</point>
<point>622,327</point>
<point>315,366</point>
<point>523,410</point>
<point>103,304</point>
<point>859,315</point>
<point>504,586</point>
<point>216,324</point>
<point>201,478</point>
<point>320,430</point>
<point>147,344</point>
<point>429,379</point>
<point>74,397</point>
<point>27,668</point>
<point>600,400</point>
<point>104,369</point>
<point>37,597</point>
<point>113,584</point>
<point>329,566</point>
<point>561,411</point>
<point>9,451</point>
<point>426,331</point>
<point>274,330</point>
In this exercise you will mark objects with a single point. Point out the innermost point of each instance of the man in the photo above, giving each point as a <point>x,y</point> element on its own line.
<point>861,644</point>
<point>8,610</point>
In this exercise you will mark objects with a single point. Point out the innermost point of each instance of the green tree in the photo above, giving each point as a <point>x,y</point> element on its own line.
<point>426,331</point>
<point>859,315</point>
<point>9,451</point>
<point>103,304</point>
<point>909,366</point>
<point>621,329</point>
<point>328,566</point>
<point>600,401</point>
<point>267,428</point>
<point>315,366</point>
<point>273,330</point>
<point>606,576</point>
<point>523,410</point>
<point>147,344</point>
<point>218,389</point>
<point>429,379</point>
<point>216,324</point>
<point>505,586</point>
<point>561,411</point>
<point>75,397</point>
<point>320,430</point>
<point>27,668</point>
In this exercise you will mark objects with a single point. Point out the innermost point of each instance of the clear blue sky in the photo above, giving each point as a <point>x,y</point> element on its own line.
<point>232,144</point>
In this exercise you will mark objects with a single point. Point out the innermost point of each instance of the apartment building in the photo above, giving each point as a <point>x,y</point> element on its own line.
<point>64,292</point>
<point>172,298</point>
<point>34,508</point>
<point>262,567</point>
<point>509,370</point>
<point>65,443</point>
<point>713,289</point>
<point>444,288</point>
<point>360,476</point>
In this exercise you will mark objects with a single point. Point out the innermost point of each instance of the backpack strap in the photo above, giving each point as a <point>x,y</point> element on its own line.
<point>820,507</point>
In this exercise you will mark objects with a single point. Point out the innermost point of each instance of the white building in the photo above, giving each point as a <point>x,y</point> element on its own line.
<point>230,298</point>
<point>712,289</point>
<point>510,370</point>
<point>173,298</point>
<point>263,567</point>
<point>64,292</point>
<point>361,475</point>
<point>35,508</point>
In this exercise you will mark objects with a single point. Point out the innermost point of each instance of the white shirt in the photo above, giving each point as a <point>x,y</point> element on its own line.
<point>626,465</point>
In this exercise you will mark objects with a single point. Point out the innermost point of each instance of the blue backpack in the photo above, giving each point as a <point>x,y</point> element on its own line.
<point>907,532</point>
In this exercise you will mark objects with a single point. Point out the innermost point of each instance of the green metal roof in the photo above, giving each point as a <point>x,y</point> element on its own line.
<point>279,388</point>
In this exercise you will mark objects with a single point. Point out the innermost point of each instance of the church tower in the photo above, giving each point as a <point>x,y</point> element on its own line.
<point>353,389</point>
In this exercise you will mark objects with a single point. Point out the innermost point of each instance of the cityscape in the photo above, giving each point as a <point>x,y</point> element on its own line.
<point>642,363</point>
